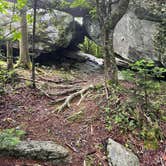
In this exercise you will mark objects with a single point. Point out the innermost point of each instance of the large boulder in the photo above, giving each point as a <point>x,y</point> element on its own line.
<point>118,155</point>
<point>134,33</point>
<point>54,30</point>
<point>38,150</point>
<point>133,38</point>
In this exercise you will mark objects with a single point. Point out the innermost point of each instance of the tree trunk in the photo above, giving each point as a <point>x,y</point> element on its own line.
<point>9,55</point>
<point>110,67</point>
<point>33,43</point>
<point>24,59</point>
<point>113,66</point>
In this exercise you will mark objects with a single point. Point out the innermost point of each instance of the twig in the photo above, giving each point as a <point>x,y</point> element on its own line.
<point>161,161</point>
<point>72,148</point>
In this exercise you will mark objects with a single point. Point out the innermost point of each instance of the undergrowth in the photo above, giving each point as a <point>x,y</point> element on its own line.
<point>139,109</point>
<point>7,77</point>
<point>10,137</point>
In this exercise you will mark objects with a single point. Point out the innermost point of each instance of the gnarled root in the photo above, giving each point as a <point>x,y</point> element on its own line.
<point>72,96</point>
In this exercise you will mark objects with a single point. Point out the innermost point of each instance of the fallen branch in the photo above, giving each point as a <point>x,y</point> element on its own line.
<point>72,96</point>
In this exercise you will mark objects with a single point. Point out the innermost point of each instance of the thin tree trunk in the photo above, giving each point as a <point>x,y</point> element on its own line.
<point>113,70</point>
<point>24,59</point>
<point>9,45</point>
<point>33,44</point>
<point>9,55</point>
<point>110,67</point>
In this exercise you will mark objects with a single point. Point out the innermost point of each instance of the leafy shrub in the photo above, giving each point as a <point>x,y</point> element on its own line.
<point>10,137</point>
<point>142,74</point>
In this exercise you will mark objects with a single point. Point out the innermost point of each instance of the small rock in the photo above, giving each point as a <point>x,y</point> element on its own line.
<point>118,155</point>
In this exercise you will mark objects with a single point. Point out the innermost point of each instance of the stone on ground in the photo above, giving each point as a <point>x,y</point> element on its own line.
<point>118,155</point>
<point>38,150</point>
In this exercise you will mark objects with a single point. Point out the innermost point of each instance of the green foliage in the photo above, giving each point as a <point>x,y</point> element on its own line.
<point>91,47</point>
<point>3,6</point>
<point>139,109</point>
<point>10,137</point>
<point>151,135</point>
<point>7,77</point>
<point>16,35</point>
<point>142,74</point>
<point>16,18</point>
<point>80,3</point>
<point>21,4</point>
<point>29,18</point>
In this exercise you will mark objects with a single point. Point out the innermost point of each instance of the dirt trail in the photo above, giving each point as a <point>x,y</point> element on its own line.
<point>84,135</point>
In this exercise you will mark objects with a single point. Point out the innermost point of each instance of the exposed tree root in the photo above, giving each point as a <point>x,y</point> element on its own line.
<point>70,82</point>
<point>51,80</point>
<point>61,86</point>
<point>72,96</point>
<point>68,91</point>
<point>82,98</point>
<point>45,93</point>
<point>58,100</point>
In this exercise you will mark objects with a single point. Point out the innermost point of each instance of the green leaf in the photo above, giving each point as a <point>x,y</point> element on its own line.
<point>16,35</point>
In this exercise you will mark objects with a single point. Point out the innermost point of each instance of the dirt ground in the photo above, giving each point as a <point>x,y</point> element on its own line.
<point>85,137</point>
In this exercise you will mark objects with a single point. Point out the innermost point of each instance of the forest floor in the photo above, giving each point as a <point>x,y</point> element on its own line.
<point>81,127</point>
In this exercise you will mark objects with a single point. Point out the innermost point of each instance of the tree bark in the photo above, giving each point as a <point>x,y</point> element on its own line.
<point>24,59</point>
<point>110,67</point>
<point>33,43</point>
<point>108,19</point>
<point>9,55</point>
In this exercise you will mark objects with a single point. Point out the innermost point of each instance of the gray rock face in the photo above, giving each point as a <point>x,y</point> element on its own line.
<point>134,33</point>
<point>118,155</point>
<point>54,29</point>
<point>38,150</point>
<point>133,38</point>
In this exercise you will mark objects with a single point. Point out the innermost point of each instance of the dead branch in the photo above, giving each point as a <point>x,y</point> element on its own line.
<point>72,96</point>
